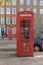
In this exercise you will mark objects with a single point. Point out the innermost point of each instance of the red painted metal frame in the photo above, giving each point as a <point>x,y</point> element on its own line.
<point>20,51</point>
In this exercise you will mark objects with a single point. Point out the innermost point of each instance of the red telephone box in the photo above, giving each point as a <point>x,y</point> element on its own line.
<point>10,35</point>
<point>25,33</point>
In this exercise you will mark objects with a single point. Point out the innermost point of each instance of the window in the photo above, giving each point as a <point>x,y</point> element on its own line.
<point>41,30</point>
<point>14,30</point>
<point>35,19</point>
<point>42,20</point>
<point>37,30</point>
<point>7,21</point>
<point>0,31</point>
<point>13,10</point>
<point>2,10</point>
<point>34,2</point>
<point>7,10</point>
<point>28,9</point>
<point>21,9</point>
<point>13,2</point>
<point>21,2</point>
<point>41,2</point>
<point>41,11</point>
<point>7,30</point>
<point>3,0</point>
<point>28,2</point>
<point>8,3</point>
<point>35,11</point>
<point>2,21</point>
<point>14,20</point>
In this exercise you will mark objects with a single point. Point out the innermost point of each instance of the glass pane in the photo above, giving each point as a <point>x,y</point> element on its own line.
<point>2,10</point>
<point>34,2</point>
<point>35,11</point>
<point>8,3</point>
<point>14,20</point>
<point>2,21</point>
<point>7,10</point>
<point>41,11</point>
<point>21,2</point>
<point>13,2</point>
<point>25,25</point>
<point>21,9</point>
<point>13,10</point>
<point>41,2</point>
<point>28,2</point>
<point>14,30</point>
<point>8,21</point>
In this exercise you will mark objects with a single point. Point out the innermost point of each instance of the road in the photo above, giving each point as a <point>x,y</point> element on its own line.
<point>11,58</point>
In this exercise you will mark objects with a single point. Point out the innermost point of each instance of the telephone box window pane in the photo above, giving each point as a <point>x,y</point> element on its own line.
<point>28,2</point>
<point>2,21</point>
<point>13,2</point>
<point>21,2</point>
<point>13,10</point>
<point>25,25</point>
<point>14,20</point>
<point>21,9</point>
<point>7,10</point>
<point>7,21</point>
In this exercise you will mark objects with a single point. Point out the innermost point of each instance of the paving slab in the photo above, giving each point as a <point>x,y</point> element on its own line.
<point>3,61</point>
<point>15,61</point>
<point>11,58</point>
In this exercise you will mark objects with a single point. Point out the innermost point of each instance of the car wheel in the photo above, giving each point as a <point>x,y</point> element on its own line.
<point>36,48</point>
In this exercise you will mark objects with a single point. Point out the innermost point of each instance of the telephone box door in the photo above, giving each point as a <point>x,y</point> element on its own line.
<point>25,37</point>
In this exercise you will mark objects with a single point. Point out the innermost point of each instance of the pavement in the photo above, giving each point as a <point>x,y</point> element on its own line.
<point>7,44</point>
<point>11,58</point>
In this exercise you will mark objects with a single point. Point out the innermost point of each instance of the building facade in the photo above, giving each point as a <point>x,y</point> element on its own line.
<point>8,15</point>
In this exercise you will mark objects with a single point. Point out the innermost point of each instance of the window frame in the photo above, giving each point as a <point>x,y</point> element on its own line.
<point>2,21</point>
<point>7,20</point>
<point>35,2</point>
<point>41,2</point>
<point>14,22</point>
<point>21,2</point>
<point>28,2</point>
<point>7,10</point>
<point>13,11</point>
